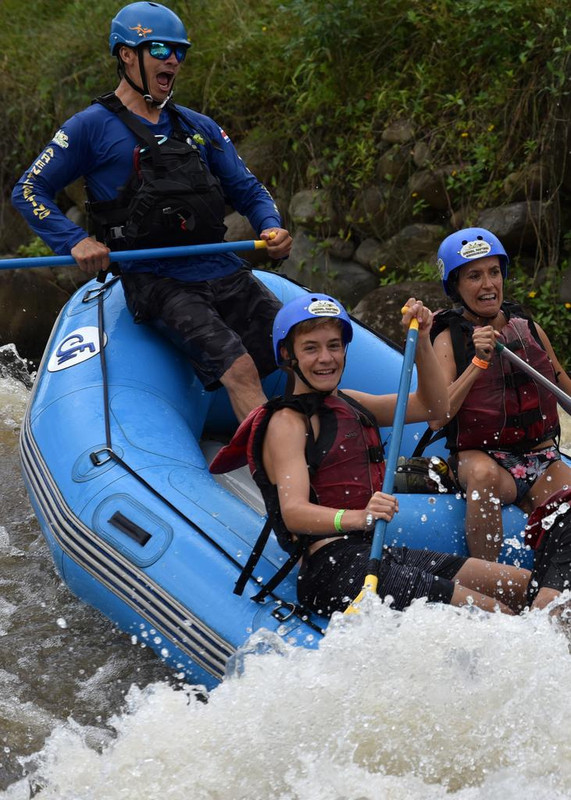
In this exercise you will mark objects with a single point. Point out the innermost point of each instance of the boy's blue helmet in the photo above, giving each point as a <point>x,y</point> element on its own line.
<point>304,307</point>
<point>465,246</point>
<point>143,22</point>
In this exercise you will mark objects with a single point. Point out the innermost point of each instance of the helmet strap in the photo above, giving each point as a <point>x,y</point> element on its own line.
<point>478,316</point>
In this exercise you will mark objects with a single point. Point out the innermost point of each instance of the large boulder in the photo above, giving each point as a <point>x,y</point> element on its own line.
<point>238,229</point>
<point>381,308</point>
<point>380,209</point>
<point>517,225</point>
<point>258,151</point>
<point>432,186</point>
<point>411,245</point>
<point>30,301</point>
<point>312,209</point>
<point>316,268</point>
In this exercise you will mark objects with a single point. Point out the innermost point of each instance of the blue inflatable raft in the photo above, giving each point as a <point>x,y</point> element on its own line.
<point>115,448</point>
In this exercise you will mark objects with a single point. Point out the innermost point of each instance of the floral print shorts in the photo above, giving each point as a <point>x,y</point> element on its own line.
<point>525,468</point>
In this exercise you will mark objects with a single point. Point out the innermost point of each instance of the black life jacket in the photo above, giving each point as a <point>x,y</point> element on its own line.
<point>344,424</point>
<point>505,408</point>
<point>170,199</point>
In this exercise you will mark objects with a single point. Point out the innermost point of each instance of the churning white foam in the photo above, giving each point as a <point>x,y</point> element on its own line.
<point>423,704</point>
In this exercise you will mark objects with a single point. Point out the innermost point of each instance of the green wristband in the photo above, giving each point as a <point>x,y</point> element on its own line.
<point>337,520</point>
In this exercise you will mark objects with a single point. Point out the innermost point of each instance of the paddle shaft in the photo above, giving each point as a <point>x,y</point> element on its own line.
<point>562,397</point>
<point>396,439</point>
<point>138,255</point>
<point>372,578</point>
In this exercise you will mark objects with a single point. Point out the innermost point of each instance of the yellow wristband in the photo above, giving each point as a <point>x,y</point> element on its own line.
<point>337,520</point>
<point>479,362</point>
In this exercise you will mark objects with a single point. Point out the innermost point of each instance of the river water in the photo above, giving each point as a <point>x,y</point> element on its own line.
<point>431,703</point>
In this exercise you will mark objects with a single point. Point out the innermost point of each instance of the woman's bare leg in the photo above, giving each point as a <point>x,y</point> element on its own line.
<point>501,583</point>
<point>470,597</point>
<point>487,487</point>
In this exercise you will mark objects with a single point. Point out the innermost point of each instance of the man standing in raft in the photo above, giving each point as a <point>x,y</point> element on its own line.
<point>159,174</point>
<point>317,457</point>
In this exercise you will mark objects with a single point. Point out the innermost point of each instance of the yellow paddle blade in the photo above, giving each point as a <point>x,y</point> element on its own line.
<point>370,585</point>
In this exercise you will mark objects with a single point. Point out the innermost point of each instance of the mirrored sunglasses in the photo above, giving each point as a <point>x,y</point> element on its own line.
<point>163,51</point>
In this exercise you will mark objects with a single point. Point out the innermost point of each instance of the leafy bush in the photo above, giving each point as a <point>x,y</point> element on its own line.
<point>485,83</point>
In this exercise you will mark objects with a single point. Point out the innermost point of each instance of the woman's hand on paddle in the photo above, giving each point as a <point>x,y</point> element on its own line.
<point>415,309</point>
<point>484,340</point>
<point>90,255</point>
<point>278,242</point>
<point>382,506</point>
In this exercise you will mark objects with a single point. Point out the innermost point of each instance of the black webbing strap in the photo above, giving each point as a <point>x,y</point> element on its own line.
<point>428,437</point>
<point>254,557</point>
<point>282,572</point>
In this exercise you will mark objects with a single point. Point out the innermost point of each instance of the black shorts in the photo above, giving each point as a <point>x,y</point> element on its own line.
<point>552,565</point>
<point>213,322</point>
<point>333,576</point>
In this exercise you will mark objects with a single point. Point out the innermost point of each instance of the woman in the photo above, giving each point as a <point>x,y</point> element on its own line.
<point>502,425</point>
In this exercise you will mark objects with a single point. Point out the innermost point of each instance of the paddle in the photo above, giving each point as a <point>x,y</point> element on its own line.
<point>138,255</point>
<point>372,579</point>
<point>562,397</point>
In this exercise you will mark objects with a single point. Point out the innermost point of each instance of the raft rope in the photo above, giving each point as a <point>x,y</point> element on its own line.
<point>294,609</point>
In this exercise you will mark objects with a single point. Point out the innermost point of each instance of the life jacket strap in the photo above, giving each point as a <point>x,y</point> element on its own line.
<point>283,571</point>
<point>254,557</point>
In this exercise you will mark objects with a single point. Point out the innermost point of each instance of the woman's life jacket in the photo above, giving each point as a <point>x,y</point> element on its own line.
<point>346,461</point>
<point>171,198</point>
<point>505,408</point>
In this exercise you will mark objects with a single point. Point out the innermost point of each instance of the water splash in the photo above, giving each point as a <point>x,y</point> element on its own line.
<point>419,704</point>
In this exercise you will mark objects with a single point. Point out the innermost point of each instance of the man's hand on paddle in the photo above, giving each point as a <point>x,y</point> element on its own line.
<point>279,242</point>
<point>91,256</point>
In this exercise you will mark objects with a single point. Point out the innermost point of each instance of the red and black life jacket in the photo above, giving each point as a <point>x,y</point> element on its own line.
<point>505,408</point>
<point>346,465</point>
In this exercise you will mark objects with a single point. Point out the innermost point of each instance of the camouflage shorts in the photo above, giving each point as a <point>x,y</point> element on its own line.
<point>213,322</point>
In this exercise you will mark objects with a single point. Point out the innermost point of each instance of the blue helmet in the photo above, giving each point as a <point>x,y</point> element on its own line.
<point>307,306</point>
<point>143,22</point>
<point>465,246</point>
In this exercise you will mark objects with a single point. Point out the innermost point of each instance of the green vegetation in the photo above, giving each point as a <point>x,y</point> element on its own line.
<point>484,83</point>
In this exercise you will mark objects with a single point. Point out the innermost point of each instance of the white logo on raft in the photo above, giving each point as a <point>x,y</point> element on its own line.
<point>324,308</point>
<point>78,346</point>
<point>478,248</point>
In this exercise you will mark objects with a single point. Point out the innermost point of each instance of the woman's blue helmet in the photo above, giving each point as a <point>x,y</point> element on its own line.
<point>304,307</point>
<point>465,246</point>
<point>143,22</point>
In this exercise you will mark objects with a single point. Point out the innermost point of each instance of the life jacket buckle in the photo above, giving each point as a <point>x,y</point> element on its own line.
<point>117,232</point>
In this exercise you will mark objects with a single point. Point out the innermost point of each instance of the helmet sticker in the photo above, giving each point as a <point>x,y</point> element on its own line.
<point>440,267</point>
<point>324,308</point>
<point>141,30</point>
<point>477,248</point>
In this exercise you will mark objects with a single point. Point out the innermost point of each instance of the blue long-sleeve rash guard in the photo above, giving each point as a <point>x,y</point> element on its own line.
<point>96,145</point>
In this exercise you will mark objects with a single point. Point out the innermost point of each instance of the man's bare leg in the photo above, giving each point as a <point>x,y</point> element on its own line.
<point>242,382</point>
